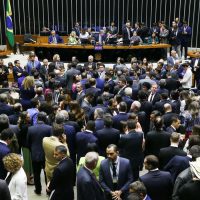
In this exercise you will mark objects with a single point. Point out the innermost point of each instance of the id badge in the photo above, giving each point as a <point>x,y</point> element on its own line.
<point>114,179</point>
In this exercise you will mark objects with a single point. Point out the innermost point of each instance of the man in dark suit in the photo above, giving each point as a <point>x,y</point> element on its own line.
<point>186,33</point>
<point>167,117</point>
<point>4,107</point>
<point>156,139</point>
<point>131,147</point>
<point>98,117</point>
<point>61,184</point>
<point>186,175</point>
<point>167,153</point>
<point>158,183</point>
<point>93,90</point>
<point>35,136</point>
<point>44,70</point>
<point>85,137</point>
<point>5,139</point>
<point>90,63</point>
<point>107,135</point>
<point>88,187</point>
<point>69,75</point>
<point>195,64</point>
<point>126,33</point>
<point>175,124</point>
<point>112,29</point>
<point>17,70</point>
<point>4,191</point>
<point>80,93</point>
<point>159,105</point>
<point>122,116</point>
<point>154,96</point>
<point>115,174</point>
<point>54,38</point>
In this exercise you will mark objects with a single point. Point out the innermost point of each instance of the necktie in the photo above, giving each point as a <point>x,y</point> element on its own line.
<point>151,98</point>
<point>114,170</point>
<point>54,40</point>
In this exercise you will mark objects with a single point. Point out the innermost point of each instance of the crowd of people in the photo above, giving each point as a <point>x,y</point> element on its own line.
<point>94,127</point>
<point>178,35</point>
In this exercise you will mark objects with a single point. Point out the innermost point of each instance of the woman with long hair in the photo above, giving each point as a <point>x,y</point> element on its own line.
<point>77,114</point>
<point>27,92</point>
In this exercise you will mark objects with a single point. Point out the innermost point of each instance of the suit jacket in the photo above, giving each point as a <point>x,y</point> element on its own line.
<point>172,84</point>
<point>62,180</point>
<point>181,180</point>
<point>160,105</point>
<point>126,36</point>
<point>6,109</point>
<point>119,117</point>
<point>43,72</point>
<point>18,185</point>
<point>82,139</point>
<point>167,153</point>
<point>155,140</point>
<point>35,136</point>
<point>170,129</point>
<point>71,140</point>
<point>49,145</point>
<point>190,190</point>
<point>30,65</point>
<point>171,60</point>
<point>99,124</point>
<point>167,118</point>
<point>176,165</point>
<point>4,191</point>
<point>113,30</point>
<point>196,71</point>
<point>105,137</point>
<point>159,184</point>
<point>186,38</point>
<point>58,38</point>
<point>131,148</point>
<point>69,77</point>
<point>17,70</point>
<point>4,150</point>
<point>88,187</point>
<point>124,178</point>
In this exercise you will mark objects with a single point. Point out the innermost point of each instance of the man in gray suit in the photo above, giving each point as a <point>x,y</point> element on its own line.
<point>70,73</point>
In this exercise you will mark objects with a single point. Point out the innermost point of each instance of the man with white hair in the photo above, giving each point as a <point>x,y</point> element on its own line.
<point>88,187</point>
<point>90,63</point>
<point>135,106</point>
<point>128,97</point>
<point>171,60</point>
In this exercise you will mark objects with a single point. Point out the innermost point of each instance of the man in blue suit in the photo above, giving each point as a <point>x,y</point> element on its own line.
<point>158,183</point>
<point>35,137</point>
<point>33,64</point>
<point>85,137</point>
<point>115,174</point>
<point>54,38</point>
<point>5,139</point>
<point>186,33</point>
<point>122,116</point>
<point>88,187</point>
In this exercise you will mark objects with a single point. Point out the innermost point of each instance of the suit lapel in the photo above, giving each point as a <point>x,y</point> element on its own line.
<point>107,166</point>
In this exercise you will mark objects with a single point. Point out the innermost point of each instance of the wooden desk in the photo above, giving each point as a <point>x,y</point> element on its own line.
<point>113,47</point>
<point>108,53</point>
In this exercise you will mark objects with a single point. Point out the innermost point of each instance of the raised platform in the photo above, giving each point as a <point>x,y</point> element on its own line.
<point>105,53</point>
